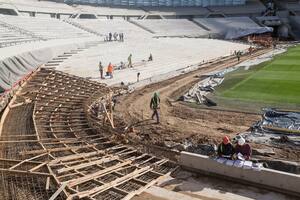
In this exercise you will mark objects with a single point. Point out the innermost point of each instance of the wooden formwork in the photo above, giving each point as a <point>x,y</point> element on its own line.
<point>63,157</point>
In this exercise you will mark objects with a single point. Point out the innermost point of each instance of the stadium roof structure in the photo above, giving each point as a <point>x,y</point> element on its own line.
<point>157,3</point>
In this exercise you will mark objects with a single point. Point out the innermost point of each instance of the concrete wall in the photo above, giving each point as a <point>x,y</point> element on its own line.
<point>266,178</point>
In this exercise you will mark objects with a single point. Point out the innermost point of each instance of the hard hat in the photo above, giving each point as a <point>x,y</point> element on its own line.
<point>226,140</point>
<point>241,141</point>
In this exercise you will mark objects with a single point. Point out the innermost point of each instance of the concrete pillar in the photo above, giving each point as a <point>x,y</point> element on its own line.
<point>53,15</point>
<point>32,14</point>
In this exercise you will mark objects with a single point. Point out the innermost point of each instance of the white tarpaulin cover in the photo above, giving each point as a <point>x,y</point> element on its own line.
<point>235,33</point>
<point>14,66</point>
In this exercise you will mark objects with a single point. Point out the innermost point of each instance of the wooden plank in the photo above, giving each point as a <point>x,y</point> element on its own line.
<point>17,141</point>
<point>60,189</point>
<point>13,171</point>
<point>38,167</point>
<point>74,157</point>
<point>55,150</point>
<point>95,191</point>
<point>48,183</point>
<point>108,116</point>
<point>23,161</point>
<point>24,135</point>
<point>69,131</point>
<point>95,175</point>
<point>80,166</point>
<point>56,180</point>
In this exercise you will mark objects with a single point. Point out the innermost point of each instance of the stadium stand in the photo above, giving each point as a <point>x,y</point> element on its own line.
<point>47,28</point>
<point>226,7</point>
<point>221,27</point>
<point>295,22</point>
<point>12,35</point>
<point>169,12</point>
<point>40,6</point>
<point>291,5</point>
<point>7,9</point>
<point>251,7</point>
<point>104,26</point>
<point>155,3</point>
<point>172,27</point>
<point>109,11</point>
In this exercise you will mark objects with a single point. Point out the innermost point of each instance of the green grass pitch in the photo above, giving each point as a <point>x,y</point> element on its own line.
<point>276,81</point>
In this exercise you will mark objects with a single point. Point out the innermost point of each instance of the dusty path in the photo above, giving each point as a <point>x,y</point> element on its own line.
<point>179,122</point>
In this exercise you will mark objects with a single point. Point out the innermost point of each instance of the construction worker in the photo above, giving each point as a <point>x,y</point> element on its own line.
<point>243,149</point>
<point>122,37</point>
<point>116,36</point>
<point>110,36</point>
<point>150,57</point>
<point>250,50</point>
<point>122,65</point>
<point>238,55</point>
<point>101,70</point>
<point>225,149</point>
<point>154,105</point>
<point>130,60</point>
<point>110,69</point>
<point>138,77</point>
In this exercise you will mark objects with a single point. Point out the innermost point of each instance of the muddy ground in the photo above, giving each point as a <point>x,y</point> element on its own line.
<point>183,124</point>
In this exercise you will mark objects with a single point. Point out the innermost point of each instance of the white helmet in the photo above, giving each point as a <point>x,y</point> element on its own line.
<point>241,141</point>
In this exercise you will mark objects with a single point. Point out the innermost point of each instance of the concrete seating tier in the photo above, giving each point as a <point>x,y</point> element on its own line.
<point>47,28</point>
<point>220,26</point>
<point>104,26</point>
<point>172,27</point>
<point>254,7</point>
<point>9,37</point>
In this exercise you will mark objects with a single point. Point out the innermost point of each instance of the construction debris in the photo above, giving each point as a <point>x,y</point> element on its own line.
<point>198,93</point>
<point>279,121</point>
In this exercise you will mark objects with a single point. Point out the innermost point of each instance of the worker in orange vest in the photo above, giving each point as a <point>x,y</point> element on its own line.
<point>110,69</point>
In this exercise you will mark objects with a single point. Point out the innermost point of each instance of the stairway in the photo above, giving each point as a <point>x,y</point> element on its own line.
<point>141,26</point>
<point>77,25</point>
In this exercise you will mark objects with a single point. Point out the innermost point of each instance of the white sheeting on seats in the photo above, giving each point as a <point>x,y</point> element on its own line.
<point>236,33</point>
<point>18,61</point>
<point>41,6</point>
<point>232,27</point>
<point>46,28</point>
<point>104,26</point>
<point>10,37</point>
<point>172,27</point>
<point>166,11</point>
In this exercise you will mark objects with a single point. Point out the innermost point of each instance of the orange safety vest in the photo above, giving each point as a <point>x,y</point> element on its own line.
<point>110,68</point>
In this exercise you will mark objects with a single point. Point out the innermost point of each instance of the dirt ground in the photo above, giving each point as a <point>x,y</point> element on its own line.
<point>180,122</point>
